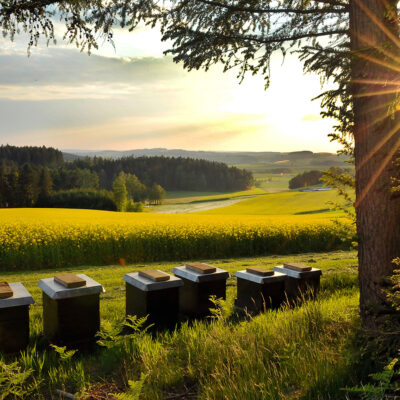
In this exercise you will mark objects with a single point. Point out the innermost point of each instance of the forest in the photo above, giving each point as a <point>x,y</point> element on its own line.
<point>38,176</point>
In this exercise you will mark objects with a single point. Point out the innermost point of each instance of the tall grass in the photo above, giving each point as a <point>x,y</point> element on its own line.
<point>293,353</point>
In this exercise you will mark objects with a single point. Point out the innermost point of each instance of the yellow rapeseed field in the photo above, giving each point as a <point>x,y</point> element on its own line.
<point>51,238</point>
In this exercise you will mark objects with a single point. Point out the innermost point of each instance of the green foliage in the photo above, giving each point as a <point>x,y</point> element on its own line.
<point>285,354</point>
<point>120,192</point>
<point>46,156</point>
<point>135,389</point>
<point>156,194</point>
<point>77,198</point>
<point>131,206</point>
<point>45,183</point>
<point>382,383</point>
<point>137,191</point>
<point>110,335</point>
<point>344,182</point>
<point>171,173</point>
<point>64,354</point>
<point>305,179</point>
<point>14,381</point>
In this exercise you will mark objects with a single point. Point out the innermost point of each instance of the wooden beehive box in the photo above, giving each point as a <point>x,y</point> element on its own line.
<point>14,317</point>
<point>155,294</point>
<point>200,283</point>
<point>71,309</point>
<point>259,289</point>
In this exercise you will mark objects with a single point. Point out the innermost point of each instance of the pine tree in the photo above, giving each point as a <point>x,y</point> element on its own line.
<point>27,184</point>
<point>355,43</point>
<point>45,183</point>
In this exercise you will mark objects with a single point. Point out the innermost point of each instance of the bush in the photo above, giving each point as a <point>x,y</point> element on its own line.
<point>75,198</point>
<point>309,178</point>
<point>131,206</point>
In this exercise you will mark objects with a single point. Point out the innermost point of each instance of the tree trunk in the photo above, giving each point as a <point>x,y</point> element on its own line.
<point>375,84</point>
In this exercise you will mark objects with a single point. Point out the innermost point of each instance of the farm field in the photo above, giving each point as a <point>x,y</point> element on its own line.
<point>258,201</point>
<point>40,238</point>
<point>188,202</point>
<point>285,203</point>
<point>300,353</point>
<point>190,197</point>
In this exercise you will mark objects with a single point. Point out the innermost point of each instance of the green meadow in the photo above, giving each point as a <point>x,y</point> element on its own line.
<point>284,203</point>
<point>292,353</point>
<point>306,352</point>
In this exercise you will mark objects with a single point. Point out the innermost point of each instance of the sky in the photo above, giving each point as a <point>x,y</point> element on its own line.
<point>134,97</point>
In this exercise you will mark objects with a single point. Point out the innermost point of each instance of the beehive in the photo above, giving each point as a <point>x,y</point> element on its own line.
<point>302,281</point>
<point>198,286</point>
<point>14,317</point>
<point>71,315</point>
<point>259,288</point>
<point>153,293</point>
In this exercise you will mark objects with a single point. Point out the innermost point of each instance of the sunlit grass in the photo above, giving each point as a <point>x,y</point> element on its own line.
<point>284,204</point>
<point>189,197</point>
<point>289,354</point>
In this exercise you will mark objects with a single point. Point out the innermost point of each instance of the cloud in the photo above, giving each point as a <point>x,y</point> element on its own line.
<point>65,67</point>
<point>134,97</point>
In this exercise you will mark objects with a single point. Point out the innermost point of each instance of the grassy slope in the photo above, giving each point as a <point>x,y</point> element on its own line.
<point>285,203</point>
<point>290,354</point>
<point>187,202</point>
<point>189,197</point>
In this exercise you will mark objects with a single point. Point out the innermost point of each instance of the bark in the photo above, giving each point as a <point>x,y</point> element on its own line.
<point>375,45</point>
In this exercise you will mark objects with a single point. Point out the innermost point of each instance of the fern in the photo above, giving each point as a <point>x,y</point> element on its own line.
<point>64,354</point>
<point>382,383</point>
<point>14,381</point>
<point>219,311</point>
<point>111,335</point>
<point>135,388</point>
<point>137,324</point>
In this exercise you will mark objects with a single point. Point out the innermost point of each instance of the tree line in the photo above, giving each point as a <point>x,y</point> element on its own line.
<point>169,172</point>
<point>308,178</point>
<point>47,156</point>
<point>105,184</point>
<point>38,186</point>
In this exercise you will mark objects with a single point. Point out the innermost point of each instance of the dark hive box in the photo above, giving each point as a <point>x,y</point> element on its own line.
<point>71,316</point>
<point>153,293</point>
<point>302,281</point>
<point>259,289</point>
<point>198,287</point>
<point>14,319</point>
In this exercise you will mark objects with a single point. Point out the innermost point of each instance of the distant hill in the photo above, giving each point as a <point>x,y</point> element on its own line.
<point>228,157</point>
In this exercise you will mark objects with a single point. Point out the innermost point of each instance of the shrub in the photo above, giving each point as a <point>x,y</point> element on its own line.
<point>76,198</point>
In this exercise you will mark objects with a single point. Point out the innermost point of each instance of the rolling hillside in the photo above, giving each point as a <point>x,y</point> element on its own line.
<point>284,203</point>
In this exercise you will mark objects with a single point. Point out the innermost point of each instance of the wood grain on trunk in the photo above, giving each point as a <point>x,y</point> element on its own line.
<point>375,44</point>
